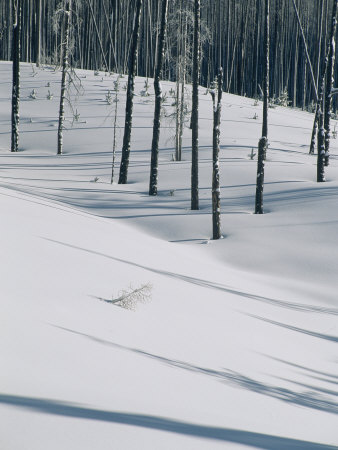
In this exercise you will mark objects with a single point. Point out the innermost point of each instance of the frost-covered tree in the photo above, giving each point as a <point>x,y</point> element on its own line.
<point>194,111</point>
<point>216,192</point>
<point>130,94</point>
<point>16,15</point>
<point>158,101</point>
<point>329,82</point>
<point>65,11</point>
<point>263,142</point>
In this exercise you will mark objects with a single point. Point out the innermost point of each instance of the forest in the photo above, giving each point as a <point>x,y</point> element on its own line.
<point>232,34</point>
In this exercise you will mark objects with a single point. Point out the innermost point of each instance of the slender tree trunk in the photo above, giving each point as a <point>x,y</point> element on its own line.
<point>38,33</point>
<point>263,142</point>
<point>194,113</point>
<point>329,83</point>
<point>130,94</point>
<point>267,72</point>
<point>321,146</point>
<point>216,192</point>
<point>16,13</point>
<point>306,51</point>
<point>320,106</point>
<point>158,102</point>
<point>65,64</point>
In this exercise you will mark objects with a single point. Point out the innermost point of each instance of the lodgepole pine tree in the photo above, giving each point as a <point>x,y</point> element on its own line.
<point>38,33</point>
<point>321,102</point>
<point>194,112</point>
<point>263,142</point>
<point>130,94</point>
<point>216,193</point>
<point>16,12</point>
<point>65,64</point>
<point>158,102</point>
<point>329,82</point>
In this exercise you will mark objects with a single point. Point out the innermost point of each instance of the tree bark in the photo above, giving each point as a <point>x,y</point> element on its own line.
<point>15,118</point>
<point>329,83</point>
<point>194,112</point>
<point>158,102</point>
<point>65,64</point>
<point>263,142</point>
<point>123,177</point>
<point>216,193</point>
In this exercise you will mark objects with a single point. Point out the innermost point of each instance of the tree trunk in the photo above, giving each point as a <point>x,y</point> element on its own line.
<point>320,106</point>
<point>130,94</point>
<point>38,33</point>
<point>266,70</point>
<point>158,102</point>
<point>194,113</point>
<point>65,64</point>
<point>16,11</point>
<point>216,193</point>
<point>263,142</point>
<point>329,83</point>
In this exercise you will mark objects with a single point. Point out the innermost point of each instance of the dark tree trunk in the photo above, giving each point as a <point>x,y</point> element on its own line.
<point>321,145</point>
<point>38,33</point>
<point>194,112</point>
<point>266,72</point>
<point>263,142</point>
<point>158,102</point>
<point>216,193</point>
<point>16,12</point>
<point>320,106</point>
<point>329,83</point>
<point>130,94</point>
<point>65,63</point>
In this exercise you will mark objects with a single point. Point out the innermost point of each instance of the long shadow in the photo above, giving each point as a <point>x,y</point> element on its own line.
<point>251,439</point>
<point>326,337</point>
<point>307,399</point>
<point>211,284</point>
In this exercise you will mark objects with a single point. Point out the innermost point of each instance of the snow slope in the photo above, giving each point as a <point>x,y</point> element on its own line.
<point>236,346</point>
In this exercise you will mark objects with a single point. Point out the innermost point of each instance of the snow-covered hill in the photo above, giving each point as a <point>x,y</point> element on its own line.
<point>236,344</point>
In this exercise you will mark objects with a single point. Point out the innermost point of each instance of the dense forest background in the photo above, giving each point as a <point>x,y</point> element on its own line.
<point>231,30</point>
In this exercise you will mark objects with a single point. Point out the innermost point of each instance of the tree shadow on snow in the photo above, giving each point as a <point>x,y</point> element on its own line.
<point>258,440</point>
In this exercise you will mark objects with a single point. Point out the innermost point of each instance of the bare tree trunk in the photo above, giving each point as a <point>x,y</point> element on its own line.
<point>267,73</point>
<point>329,83</point>
<point>65,64</point>
<point>158,102</point>
<point>263,142</point>
<point>194,113</point>
<point>130,94</point>
<point>320,106</point>
<point>216,193</point>
<point>38,33</point>
<point>16,12</point>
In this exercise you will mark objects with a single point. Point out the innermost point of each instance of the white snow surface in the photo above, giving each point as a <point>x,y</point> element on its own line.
<point>237,346</point>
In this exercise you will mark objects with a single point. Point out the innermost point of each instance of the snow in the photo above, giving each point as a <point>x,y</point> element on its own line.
<point>237,346</point>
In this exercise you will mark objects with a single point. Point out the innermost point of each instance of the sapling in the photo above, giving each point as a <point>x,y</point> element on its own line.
<point>252,154</point>
<point>130,297</point>
<point>109,99</point>
<point>33,94</point>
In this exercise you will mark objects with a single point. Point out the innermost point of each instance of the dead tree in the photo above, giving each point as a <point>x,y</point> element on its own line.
<point>263,142</point>
<point>320,106</point>
<point>216,192</point>
<point>158,102</point>
<point>329,83</point>
<point>194,111</point>
<point>65,64</point>
<point>16,11</point>
<point>130,94</point>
